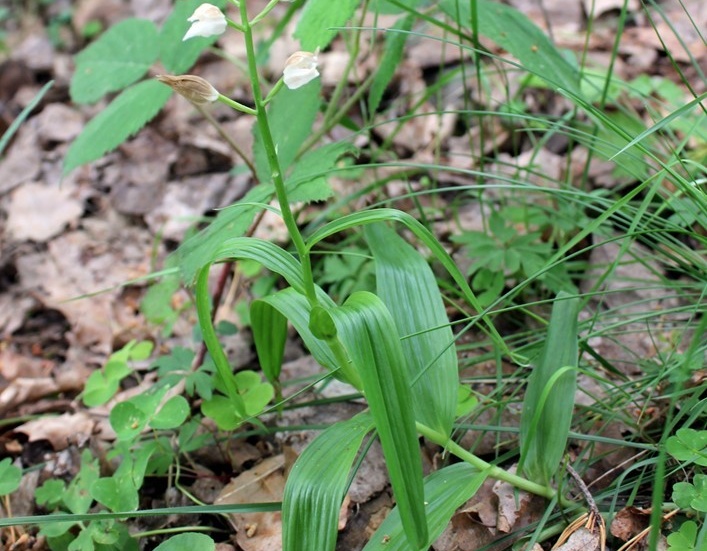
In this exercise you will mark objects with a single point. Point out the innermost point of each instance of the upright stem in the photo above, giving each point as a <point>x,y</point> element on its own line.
<point>273,161</point>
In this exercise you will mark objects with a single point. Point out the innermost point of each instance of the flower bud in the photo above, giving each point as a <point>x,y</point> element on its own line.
<point>300,68</point>
<point>195,89</point>
<point>207,20</point>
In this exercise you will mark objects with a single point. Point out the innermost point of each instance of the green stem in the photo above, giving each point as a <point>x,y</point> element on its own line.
<point>273,161</point>
<point>262,14</point>
<point>237,106</point>
<point>492,470</point>
<point>203,310</point>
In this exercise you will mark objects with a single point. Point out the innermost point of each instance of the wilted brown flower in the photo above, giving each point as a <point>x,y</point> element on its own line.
<point>195,89</point>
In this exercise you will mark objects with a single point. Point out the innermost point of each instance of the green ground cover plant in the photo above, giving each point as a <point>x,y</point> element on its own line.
<point>374,311</point>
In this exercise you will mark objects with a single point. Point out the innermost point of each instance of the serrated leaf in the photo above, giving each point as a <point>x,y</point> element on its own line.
<point>445,491</point>
<point>517,34</point>
<point>291,115</point>
<point>317,19</point>
<point>407,286</point>
<point>316,484</point>
<point>308,180</point>
<point>231,222</point>
<point>122,55</point>
<point>368,333</point>
<point>177,55</point>
<point>187,542</point>
<point>549,399</point>
<point>392,54</point>
<point>126,114</point>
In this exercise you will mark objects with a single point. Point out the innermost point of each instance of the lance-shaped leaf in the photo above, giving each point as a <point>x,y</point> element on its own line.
<point>549,398</point>
<point>317,483</point>
<point>369,334</point>
<point>407,286</point>
<point>445,491</point>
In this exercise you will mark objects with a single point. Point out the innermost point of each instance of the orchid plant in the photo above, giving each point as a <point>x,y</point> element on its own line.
<point>411,386</point>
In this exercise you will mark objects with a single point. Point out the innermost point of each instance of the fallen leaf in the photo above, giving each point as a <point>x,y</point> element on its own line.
<point>38,212</point>
<point>61,431</point>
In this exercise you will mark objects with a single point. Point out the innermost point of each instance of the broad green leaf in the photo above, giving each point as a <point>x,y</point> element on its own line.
<point>269,334</point>
<point>314,29</point>
<point>176,55</point>
<point>407,286</point>
<point>686,495</point>
<point>688,445</point>
<point>117,492</point>
<point>77,497</point>
<point>392,54</point>
<point>99,388</point>
<point>122,55</point>
<point>221,410</point>
<point>317,483</point>
<point>127,420</point>
<point>50,493</point>
<point>291,115</point>
<point>187,542</point>
<point>684,539</point>
<point>445,491</point>
<point>517,34</point>
<point>369,334</point>
<point>126,114</point>
<point>172,414</point>
<point>10,477</point>
<point>549,397</point>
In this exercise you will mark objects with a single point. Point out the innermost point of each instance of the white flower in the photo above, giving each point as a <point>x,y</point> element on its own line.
<point>207,20</point>
<point>300,68</point>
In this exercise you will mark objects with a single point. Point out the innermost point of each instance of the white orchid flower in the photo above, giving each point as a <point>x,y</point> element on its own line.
<point>207,20</point>
<point>300,68</point>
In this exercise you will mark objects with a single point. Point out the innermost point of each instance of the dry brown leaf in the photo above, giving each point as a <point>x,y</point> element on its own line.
<point>581,540</point>
<point>263,483</point>
<point>38,212</point>
<point>62,431</point>
<point>629,521</point>
<point>25,389</point>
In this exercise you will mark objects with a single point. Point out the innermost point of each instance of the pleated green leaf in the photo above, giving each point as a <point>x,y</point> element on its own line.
<point>407,286</point>
<point>269,334</point>
<point>316,485</point>
<point>369,334</point>
<point>392,55</point>
<point>445,491</point>
<point>549,398</point>
<point>423,234</point>
<point>295,307</point>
